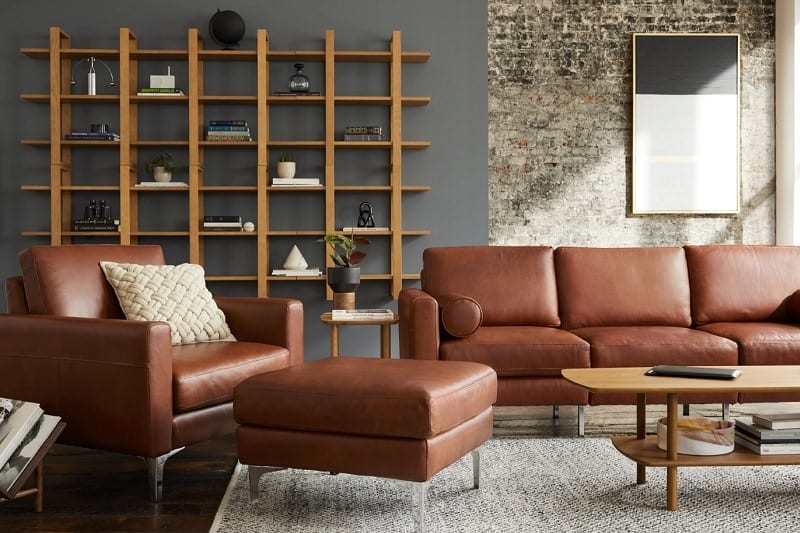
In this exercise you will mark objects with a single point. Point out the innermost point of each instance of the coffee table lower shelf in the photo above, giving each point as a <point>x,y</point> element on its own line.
<point>645,452</point>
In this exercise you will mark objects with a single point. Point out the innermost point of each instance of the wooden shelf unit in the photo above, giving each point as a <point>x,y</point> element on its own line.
<point>61,57</point>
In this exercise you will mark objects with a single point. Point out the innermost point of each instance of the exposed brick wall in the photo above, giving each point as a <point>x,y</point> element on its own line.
<point>560,121</point>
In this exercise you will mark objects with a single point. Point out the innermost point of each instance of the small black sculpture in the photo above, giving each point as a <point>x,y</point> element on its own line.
<point>365,219</point>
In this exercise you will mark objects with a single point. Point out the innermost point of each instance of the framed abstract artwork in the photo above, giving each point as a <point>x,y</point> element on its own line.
<point>685,123</point>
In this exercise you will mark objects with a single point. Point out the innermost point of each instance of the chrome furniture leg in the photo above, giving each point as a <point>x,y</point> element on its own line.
<point>476,468</point>
<point>555,412</point>
<point>581,420</point>
<point>419,492</point>
<point>155,474</point>
<point>726,411</point>
<point>254,474</point>
<point>686,409</point>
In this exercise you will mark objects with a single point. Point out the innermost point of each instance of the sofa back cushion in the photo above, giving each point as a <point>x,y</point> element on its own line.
<point>514,285</point>
<point>68,280</point>
<point>622,287</point>
<point>742,283</point>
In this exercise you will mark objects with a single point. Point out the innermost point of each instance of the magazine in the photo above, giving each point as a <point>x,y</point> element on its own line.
<point>23,455</point>
<point>16,424</point>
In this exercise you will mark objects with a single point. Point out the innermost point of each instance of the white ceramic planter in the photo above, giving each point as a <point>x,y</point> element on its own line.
<point>286,169</point>
<point>161,175</point>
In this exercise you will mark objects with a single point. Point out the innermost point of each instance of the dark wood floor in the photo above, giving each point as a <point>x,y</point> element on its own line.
<point>89,490</point>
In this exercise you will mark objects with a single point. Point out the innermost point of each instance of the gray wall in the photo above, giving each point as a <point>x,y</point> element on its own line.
<point>456,210</point>
<point>560,122</point>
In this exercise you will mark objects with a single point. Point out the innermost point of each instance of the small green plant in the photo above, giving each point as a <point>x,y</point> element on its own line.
<point>162,160</point>
<point>344,252</point>
<point>286,158</point>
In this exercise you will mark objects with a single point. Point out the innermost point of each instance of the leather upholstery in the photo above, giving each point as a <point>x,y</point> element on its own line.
<point>68,280</point>
<point>396,458</point>
<point>392,397</point>
<point>119,384</point>
<point>520,350</point>
<point>15,295</point>
<point>419,325</point>
<point>742,283</point>
<point>461,315</point>
<point>761,343</point>
<point>622,287</point>
<point>512,284</point>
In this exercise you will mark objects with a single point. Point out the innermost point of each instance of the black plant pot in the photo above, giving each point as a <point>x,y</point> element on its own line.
<point>344,279</point>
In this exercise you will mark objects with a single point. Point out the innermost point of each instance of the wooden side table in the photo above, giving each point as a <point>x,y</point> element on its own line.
<point>384,323</point>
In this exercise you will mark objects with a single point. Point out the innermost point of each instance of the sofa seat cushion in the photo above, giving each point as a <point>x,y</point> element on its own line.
<point>403,398</point>
<point>205,374</point>
<point>761,343</point>
<point>657,345</point>
<point>519,350</point>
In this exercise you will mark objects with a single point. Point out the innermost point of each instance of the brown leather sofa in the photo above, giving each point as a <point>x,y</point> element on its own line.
<point>529,312</point>
<point>120,385</point>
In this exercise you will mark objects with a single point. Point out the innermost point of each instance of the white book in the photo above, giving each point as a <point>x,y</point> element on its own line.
<point>222,224</point>
<point>361,314</point>
<point>349,229</point>
<point>161,184</point>
<point>295,181</point>
<point>23,455</point>
<point>16,426</point>
<point>778,420</point>
<point>308,272</point>
<point>787,448</point>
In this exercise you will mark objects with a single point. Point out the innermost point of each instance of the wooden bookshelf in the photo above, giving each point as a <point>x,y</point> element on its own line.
<point>61,57</point>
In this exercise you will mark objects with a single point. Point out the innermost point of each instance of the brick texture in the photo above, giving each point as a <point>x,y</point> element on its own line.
<point>560,121</point>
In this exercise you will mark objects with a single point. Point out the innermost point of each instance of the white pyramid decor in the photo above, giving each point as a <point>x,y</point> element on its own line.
<point>295,260</point>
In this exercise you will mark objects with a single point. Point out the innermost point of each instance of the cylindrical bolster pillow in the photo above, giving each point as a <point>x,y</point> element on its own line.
<point>461,315</point>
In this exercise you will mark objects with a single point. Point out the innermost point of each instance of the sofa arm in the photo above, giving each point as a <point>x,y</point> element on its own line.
<point>419,325</point>
<point>110,380</point>
<point>276,321</point>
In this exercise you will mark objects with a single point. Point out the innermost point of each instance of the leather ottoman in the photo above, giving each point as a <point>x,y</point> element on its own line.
<point>395,418</point>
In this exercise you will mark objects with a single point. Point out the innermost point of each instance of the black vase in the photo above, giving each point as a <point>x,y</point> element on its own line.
<point>344,279</point>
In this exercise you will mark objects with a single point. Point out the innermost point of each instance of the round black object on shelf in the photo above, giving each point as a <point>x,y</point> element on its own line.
<point>226,28</point>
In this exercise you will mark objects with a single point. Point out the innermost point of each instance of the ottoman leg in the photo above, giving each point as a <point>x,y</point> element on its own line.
<point>254,474</point>
<point>476,468</point>
<point>419,492</point>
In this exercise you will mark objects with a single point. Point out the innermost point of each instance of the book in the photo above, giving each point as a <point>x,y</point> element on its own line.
<point>222,218</point>
<point>289,93</point>
<point>33,440</point>
<point>222,225</point>
<point>228,128</point>
<point>768,448</point>
<point>91,136</point>
<point>214,138</point>
<point>767,436</point>
<point>227,123</point>
<point>361,314</point>
<point>308,272</point>
<point>295,181</point>
<point>162,184</point>
<point>159,91</point>
<point>228,133</point>
<point>778,421</point>
<point>349,229</point>
<point>97,226</point>
<point>16,425</point>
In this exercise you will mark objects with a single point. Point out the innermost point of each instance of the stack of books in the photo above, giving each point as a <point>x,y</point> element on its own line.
<point>305,272</point>
<point>222,223</point>
<point>352,229</point>
<point>23,429</point>
<point>162,184</point>
<point>95,225</point>
<point>773,434</point>
<point>228,130</point>
<point>91,136</point>
<point>295,182</point>
<point>363,133</point>
<point>159,91</point>
<point>361,314</point>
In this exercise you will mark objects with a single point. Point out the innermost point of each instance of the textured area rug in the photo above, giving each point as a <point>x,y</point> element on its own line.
<point>526,485</point>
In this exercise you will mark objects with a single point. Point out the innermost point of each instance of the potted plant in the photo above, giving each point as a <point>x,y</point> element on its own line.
<point>346,275</point>
<point>162,167</point>
<point>286,166</point>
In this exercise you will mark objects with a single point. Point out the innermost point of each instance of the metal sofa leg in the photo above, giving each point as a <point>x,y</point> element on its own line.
<point>581,420</point>
<point>476,468</point>
<point>155,473</point>
<point>419,493</point>
<point>555,412</point>
<point>686,409</point>
<point>726,411</point>
<point>254,474</point>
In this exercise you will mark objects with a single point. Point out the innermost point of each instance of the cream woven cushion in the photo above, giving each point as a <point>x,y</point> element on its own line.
<point>175,294</point>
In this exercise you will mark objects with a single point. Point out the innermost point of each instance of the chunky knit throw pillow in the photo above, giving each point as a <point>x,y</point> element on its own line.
<point>175,294</point>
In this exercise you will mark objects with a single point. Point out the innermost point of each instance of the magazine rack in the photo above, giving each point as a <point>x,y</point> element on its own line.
<point>35,465</point>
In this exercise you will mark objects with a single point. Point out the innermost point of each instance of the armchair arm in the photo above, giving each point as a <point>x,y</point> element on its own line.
<point>110,380</point>
<point>419,325</point>
<point>276,321</point>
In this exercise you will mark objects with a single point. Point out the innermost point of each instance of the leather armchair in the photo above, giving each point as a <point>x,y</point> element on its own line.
<point>120,385</point>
